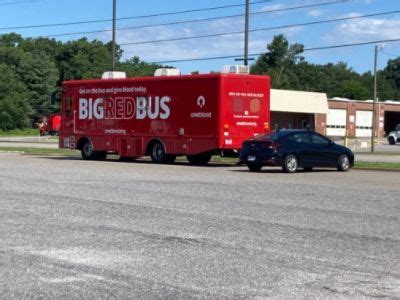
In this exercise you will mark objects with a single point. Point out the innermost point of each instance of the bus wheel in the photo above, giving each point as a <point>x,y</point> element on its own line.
<point>199,159</point>
<point>157,153</point>
<point>87,151</point>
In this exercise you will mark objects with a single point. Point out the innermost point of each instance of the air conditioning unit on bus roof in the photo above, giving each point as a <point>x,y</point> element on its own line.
<point>167,72</point>
<point>236,69</point>
<point>113,75</point>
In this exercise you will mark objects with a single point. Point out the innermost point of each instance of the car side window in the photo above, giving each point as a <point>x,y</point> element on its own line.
<point>319,140</point>
<point>301,137</point>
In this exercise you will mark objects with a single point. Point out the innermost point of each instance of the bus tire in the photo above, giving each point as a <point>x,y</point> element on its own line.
<point>87,151</point>
<point>157,153</point>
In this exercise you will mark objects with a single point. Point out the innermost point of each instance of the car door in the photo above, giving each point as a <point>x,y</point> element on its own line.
<point>302,146</point>
<point>322,150</point>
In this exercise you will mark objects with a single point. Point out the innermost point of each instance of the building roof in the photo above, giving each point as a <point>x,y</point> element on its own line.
<point>364,101</point>
<point>299,102</point>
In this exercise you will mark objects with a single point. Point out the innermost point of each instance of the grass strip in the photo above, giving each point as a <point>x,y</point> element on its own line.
<point>20,132</point>
<point>40,151</point>
<point>388,153</point>
<point>387,166</point>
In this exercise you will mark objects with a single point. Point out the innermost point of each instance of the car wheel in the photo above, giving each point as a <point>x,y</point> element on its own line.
<point>308,169</point>
<point>157,153</point>
<point>199,159</point>
<point>391,140</point>
<point>87,151</point>
<point>254,167</point>
<point>343,163</point>
<point>290,164</point>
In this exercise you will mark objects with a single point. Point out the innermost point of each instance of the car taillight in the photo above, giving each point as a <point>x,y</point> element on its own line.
<point>272,146</point>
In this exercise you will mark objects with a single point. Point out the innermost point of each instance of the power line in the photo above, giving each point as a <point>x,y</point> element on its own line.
<point>258,54</point>
<point>261,29</point>
<point>389,54</point>
<point>353,44</point>
<point>203,19</point>
<point>18,2</point>
<point>135,17</point>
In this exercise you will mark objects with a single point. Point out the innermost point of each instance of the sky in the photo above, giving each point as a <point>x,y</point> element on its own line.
<point>17,13</point>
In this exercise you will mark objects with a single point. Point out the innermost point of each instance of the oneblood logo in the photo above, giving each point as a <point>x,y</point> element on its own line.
<point>125,108</point>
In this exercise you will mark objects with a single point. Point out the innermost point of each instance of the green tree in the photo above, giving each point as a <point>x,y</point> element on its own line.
<point>278,61</point>
<point>82,59</point>
<point>14,108</point>
<point>39,74</point>
<point>391,73</point>
<point>135,67</point>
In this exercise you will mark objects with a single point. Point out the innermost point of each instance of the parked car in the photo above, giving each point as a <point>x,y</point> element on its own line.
<point>394,136</point>
<point>292,149</point>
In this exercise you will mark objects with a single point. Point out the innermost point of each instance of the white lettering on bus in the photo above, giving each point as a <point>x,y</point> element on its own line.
<point>125,108</point>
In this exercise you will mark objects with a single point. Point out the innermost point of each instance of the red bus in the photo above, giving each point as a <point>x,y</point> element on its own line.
<point>164,117</point>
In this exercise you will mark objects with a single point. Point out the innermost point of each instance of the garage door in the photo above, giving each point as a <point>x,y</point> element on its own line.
<point>363,123</point>
<point>336,122</point>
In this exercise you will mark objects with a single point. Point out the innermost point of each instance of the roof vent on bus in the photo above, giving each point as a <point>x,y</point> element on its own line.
<point>167,72</point>
<point>113,75</point>
<point>236,69</point>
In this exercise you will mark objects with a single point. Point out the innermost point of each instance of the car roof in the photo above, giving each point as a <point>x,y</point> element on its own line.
<point>283,132</point>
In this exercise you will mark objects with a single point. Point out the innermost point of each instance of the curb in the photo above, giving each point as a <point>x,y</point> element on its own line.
<point>376,169</point>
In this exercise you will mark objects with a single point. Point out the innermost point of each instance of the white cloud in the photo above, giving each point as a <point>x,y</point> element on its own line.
<point>192,48</point>
<point>273,6</point>
<point>315,13</point>
<point>360,30</point>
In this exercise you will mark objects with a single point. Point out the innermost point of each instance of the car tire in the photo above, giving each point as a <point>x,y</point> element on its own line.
<point>343,163</point>
<point>290,164</point>
<point>254,167</point>
<point>87,151</point>
<point>157,153</point>
<point>199,159</point>
<point>308,169</point>
<point>391,140</point>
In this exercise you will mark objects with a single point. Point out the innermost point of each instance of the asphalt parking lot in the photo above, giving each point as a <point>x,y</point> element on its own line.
<point>76,229</point>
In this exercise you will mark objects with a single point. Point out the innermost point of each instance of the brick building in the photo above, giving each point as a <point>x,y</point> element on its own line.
<point>334,117</point>
<point>355,118</point>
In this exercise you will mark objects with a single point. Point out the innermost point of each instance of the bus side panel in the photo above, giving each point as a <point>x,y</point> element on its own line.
<point>189,124</point>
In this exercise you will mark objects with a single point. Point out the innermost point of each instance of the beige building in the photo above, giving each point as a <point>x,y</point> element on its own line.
<point>297,109</point>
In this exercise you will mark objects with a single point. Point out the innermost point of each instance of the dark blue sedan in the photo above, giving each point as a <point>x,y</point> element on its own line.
<point>292,149</point>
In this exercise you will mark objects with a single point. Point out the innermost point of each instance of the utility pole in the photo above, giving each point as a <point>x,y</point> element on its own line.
<point>113,33</point>
<point>375,100</point>
<point>246,58</point>
<point>246,34</point>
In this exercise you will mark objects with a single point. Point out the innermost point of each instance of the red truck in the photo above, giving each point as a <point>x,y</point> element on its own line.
<point>164,117</point>
<point>50,125</point>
